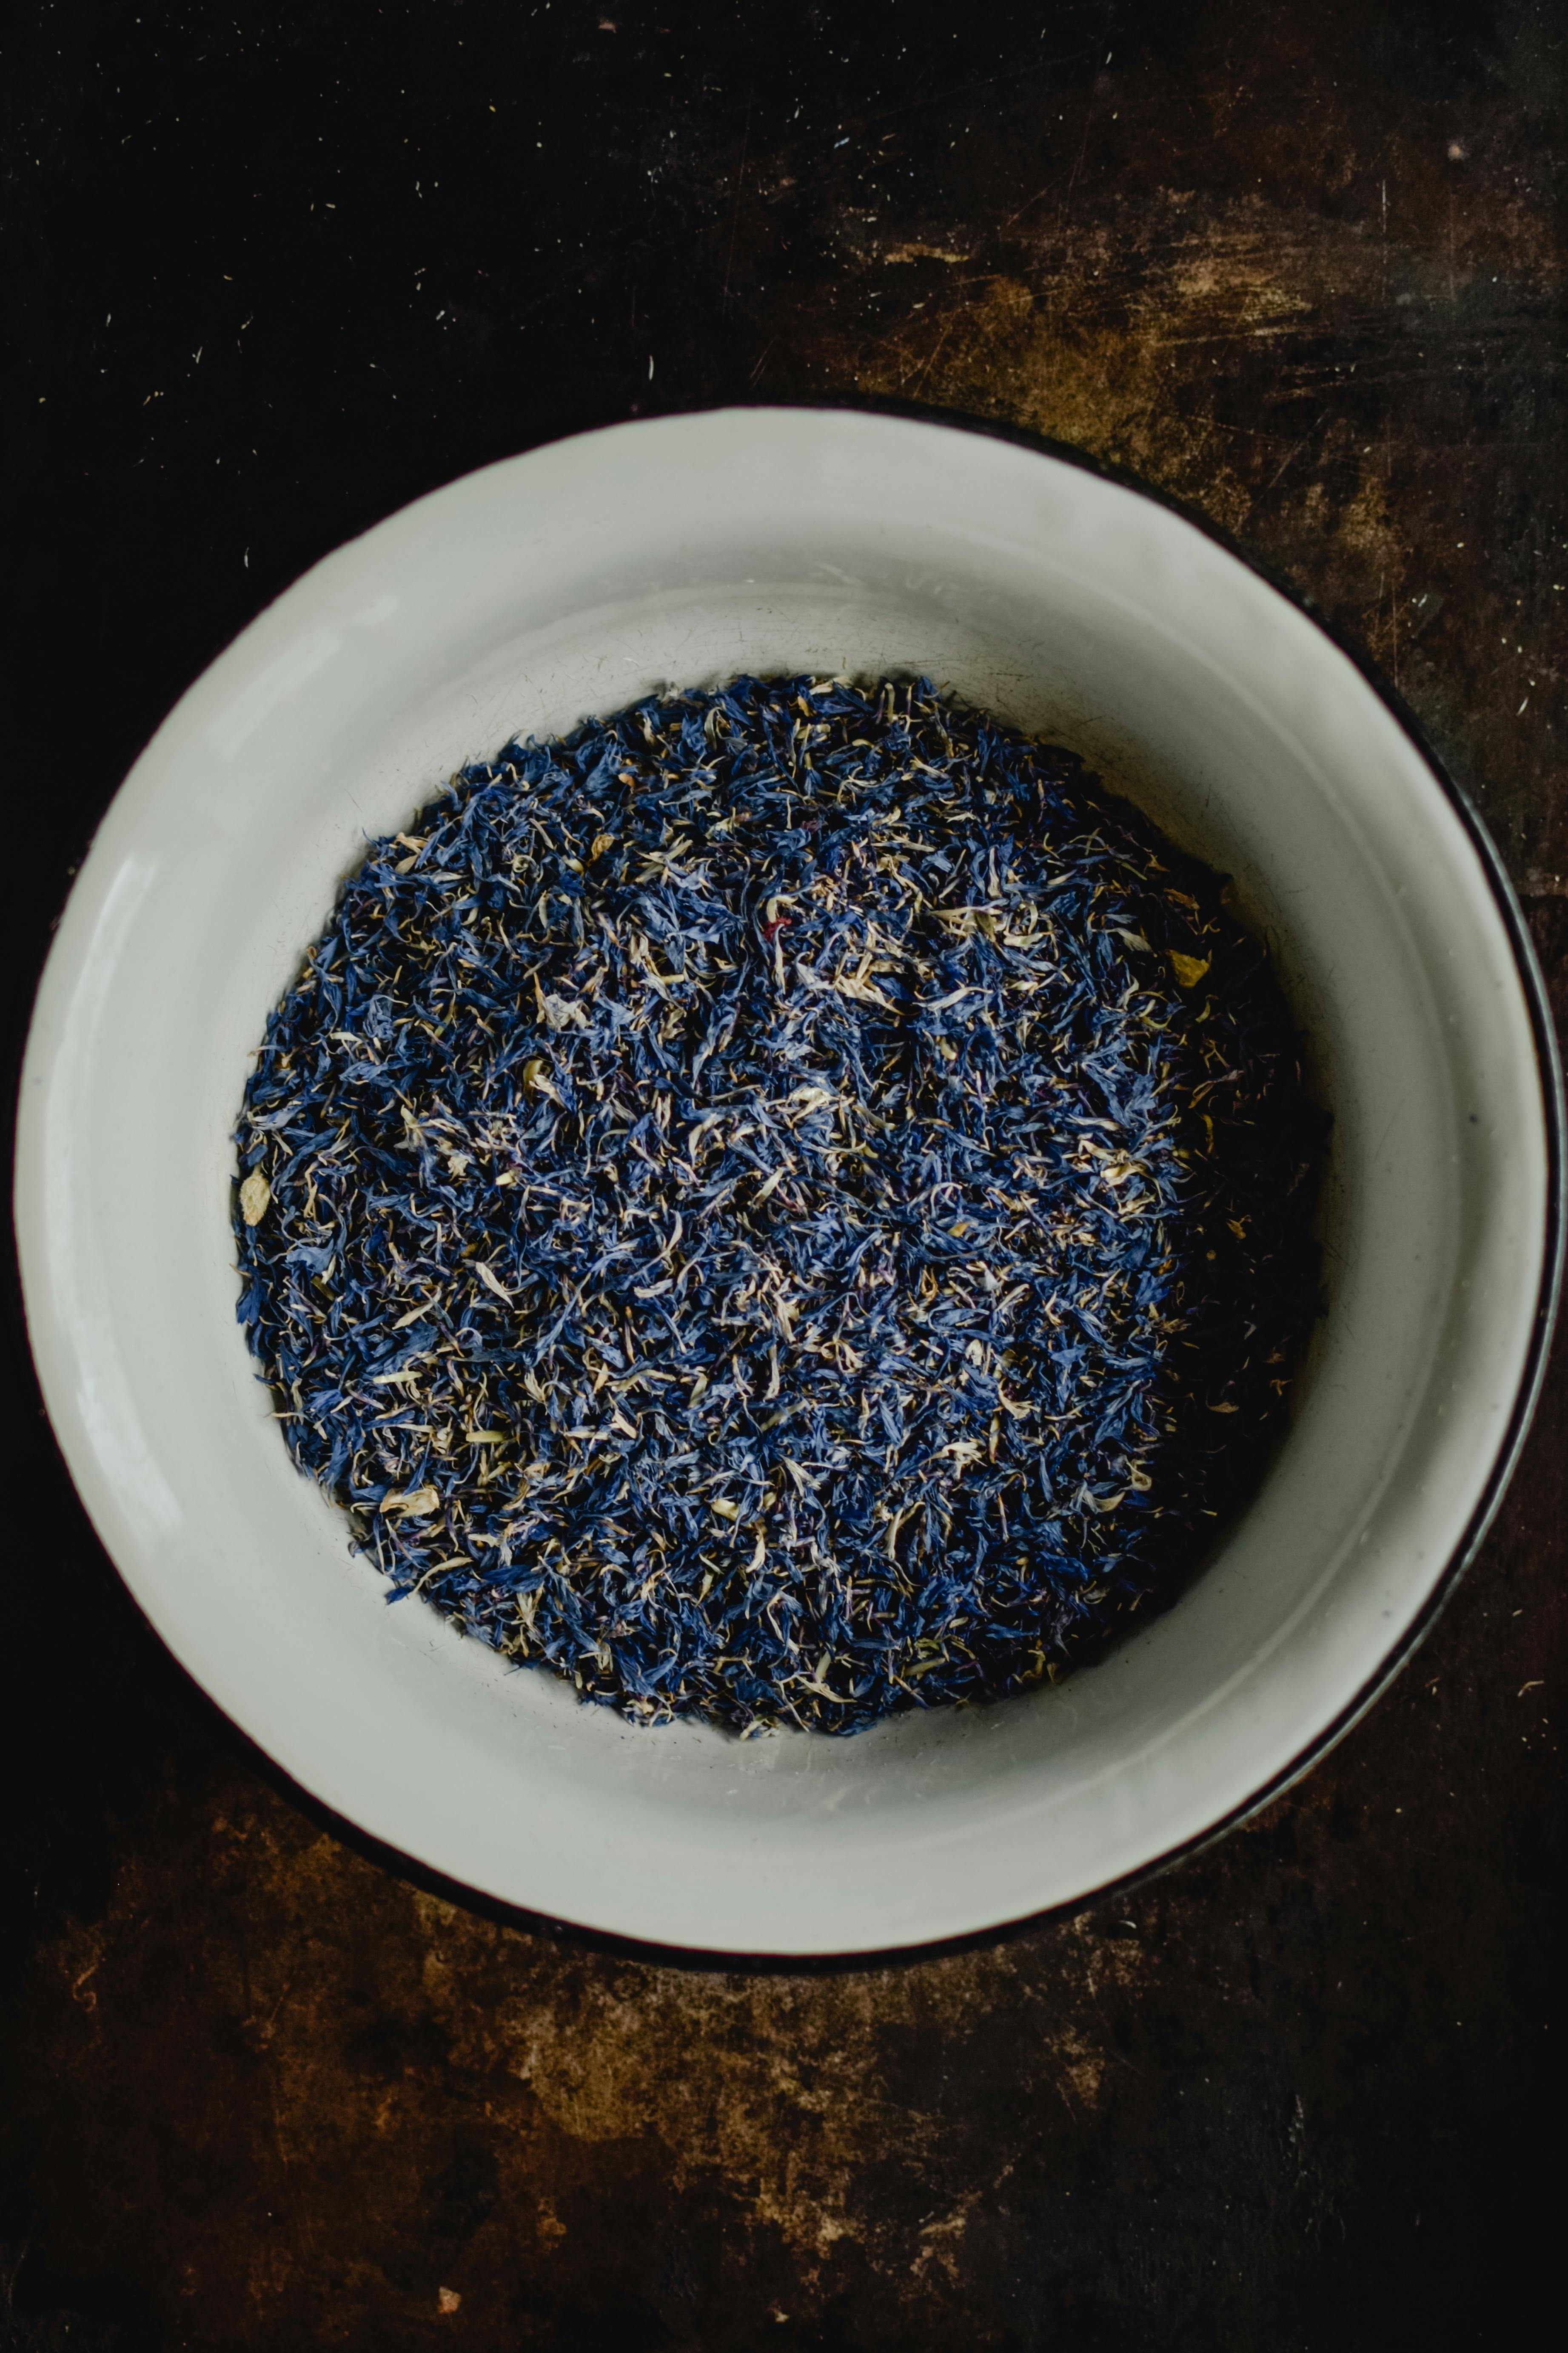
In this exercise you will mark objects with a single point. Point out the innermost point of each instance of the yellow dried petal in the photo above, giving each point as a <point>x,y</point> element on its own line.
<point>1189,970</point>
<point>255,1197</point>
<point>417,1502</point>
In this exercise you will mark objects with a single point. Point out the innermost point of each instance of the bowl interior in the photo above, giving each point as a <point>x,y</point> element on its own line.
<point>573,581</point>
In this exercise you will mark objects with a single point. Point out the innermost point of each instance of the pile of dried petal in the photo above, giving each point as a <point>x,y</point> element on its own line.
<point>788,1203</point>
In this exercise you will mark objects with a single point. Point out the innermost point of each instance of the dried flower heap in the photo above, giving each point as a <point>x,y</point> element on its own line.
<point>788,1203</point>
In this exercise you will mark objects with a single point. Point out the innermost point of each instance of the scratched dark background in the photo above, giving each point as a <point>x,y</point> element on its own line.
<point>273,272</point>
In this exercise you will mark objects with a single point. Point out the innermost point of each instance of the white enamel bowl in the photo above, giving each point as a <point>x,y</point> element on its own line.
<point>677,553</point>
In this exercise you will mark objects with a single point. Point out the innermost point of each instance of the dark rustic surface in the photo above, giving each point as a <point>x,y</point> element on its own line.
<point>275,271</point>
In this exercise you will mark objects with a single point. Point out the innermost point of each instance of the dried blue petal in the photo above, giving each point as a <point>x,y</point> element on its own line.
<point>788,1203</point>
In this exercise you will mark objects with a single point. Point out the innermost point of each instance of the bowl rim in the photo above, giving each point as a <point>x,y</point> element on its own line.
<point>1505,1460</point>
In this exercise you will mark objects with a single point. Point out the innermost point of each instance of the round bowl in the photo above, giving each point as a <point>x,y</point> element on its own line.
<point>572,581</point>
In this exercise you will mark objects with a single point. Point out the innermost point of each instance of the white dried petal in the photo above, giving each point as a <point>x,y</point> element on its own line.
<point>559,1012</point>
